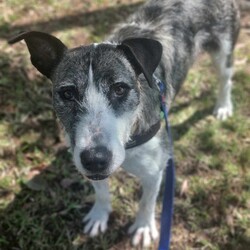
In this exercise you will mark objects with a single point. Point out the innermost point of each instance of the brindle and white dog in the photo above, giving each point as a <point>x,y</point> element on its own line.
<point>104,94</point>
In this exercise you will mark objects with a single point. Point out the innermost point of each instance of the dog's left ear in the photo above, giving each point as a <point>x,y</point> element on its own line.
<point>144,55</point>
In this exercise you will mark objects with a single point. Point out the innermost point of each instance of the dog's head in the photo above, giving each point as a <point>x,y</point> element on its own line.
<point>96,94</point>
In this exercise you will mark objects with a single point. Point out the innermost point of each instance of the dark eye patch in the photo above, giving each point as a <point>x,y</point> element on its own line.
<point>120,89</point>
<point>121,99</point>
<point>68,93</point>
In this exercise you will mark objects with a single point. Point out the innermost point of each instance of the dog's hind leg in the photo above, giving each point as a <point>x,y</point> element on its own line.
<point>96,220</point>
<point>223,60</point>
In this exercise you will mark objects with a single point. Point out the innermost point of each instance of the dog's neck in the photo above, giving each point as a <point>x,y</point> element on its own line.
<point>143,129</point>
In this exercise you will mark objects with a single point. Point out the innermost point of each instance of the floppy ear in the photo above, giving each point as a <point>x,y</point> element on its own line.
<point>144,54</point>
<point>45,50</point>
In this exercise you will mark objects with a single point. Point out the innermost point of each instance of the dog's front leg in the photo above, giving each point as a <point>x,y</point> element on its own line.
<point>97,219</point>
<point>147,163</point>
<point>144,227</point>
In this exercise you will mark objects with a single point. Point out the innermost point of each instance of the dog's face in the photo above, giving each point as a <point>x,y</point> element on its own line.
<point>96,94</point>
<point>96,97</point>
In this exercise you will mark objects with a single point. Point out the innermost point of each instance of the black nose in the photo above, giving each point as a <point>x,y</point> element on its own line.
<point>96,159</point>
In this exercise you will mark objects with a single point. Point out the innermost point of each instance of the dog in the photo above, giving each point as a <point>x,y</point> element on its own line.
<point>106,98</point>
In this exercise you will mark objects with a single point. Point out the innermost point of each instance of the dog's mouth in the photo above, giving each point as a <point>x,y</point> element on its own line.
<point>97,177</point>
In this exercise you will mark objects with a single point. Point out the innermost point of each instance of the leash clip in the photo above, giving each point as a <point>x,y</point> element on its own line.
<point>159,84</point>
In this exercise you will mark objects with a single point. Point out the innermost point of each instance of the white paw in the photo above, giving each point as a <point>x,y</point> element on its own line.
<point>222,112</point>
<point>143,232</point>
<point>97,220</point>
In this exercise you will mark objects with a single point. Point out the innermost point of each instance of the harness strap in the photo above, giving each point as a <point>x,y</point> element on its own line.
<point>143,137</point>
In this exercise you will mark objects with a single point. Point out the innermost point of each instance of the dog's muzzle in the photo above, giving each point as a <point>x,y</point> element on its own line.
<point>96,161</point>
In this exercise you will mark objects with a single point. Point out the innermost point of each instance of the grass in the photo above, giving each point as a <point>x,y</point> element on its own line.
<point>42,197</point>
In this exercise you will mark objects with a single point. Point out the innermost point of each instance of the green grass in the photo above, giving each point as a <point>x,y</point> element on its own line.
<point>42,197</point>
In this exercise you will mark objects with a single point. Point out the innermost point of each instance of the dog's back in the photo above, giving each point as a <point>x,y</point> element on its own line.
<point>183,18</point>
<point>185,28</point>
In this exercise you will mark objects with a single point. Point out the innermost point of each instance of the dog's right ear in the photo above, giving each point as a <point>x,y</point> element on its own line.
<point>45,50</point>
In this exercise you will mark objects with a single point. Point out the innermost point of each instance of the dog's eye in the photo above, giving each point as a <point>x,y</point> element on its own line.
<point>68,93</point>
<point>120,89</point>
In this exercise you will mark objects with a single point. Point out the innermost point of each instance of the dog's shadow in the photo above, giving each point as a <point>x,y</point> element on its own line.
<point>100,21</point>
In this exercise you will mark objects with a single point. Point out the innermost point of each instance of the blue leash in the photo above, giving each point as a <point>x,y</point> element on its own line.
<point>168,196</point>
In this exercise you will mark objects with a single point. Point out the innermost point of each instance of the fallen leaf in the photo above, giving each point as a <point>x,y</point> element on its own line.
<point>184,188</point>
<point>37,183</point>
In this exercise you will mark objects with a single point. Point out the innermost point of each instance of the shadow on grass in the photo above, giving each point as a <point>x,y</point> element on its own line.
<point>181,129</point>
<point>99,19</point>
<point>47,213</point>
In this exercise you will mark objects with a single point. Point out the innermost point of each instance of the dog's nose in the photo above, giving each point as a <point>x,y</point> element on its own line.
<point>96,159</point>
